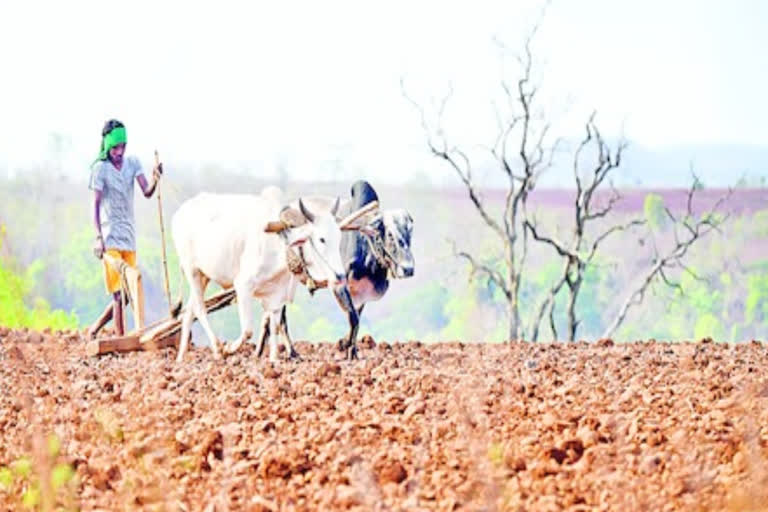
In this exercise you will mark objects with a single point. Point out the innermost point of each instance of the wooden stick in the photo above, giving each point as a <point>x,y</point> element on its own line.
<point>162,235</point>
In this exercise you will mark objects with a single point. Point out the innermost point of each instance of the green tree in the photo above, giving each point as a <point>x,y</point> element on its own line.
<point>655,216</point>
<point>18,308</point>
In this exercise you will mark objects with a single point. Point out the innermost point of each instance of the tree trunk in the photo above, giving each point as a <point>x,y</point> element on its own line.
<point>573,322</point>
<point>512,305</point>
<point>514,319</point>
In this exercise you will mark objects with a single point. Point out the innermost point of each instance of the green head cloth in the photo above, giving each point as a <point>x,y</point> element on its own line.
<point>110,140</point>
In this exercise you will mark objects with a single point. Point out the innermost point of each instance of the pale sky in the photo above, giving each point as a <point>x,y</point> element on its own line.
<point>252,85</point>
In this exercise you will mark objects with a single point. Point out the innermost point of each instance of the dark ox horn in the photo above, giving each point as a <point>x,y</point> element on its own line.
<point>306,213</point>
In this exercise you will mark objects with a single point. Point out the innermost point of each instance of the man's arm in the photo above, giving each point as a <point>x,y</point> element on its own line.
<point>147,189</point>
<point>99,247</point>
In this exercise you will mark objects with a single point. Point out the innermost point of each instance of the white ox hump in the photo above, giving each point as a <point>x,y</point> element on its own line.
<point>212,231</point>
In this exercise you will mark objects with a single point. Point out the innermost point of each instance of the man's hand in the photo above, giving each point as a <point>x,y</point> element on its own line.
<point>149,188</point>
<point>98,247</point>
<point>157,171</point>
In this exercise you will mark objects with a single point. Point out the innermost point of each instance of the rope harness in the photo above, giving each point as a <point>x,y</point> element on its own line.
<point>379,249</point>
<point>297,264</point>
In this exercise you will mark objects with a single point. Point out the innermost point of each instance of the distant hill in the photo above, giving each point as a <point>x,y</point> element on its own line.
<point>715,165</point>
<point>741,200</point>
<point>719,165</point>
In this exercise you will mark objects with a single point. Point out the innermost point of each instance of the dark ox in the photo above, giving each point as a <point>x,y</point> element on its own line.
<point>372,256</point>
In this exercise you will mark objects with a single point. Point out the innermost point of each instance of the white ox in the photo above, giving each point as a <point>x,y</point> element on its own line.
<point>225,238</point>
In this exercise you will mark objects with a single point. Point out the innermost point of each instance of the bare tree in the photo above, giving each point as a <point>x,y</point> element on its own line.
<point>522,154</point>
<point>522,151</point>
<point>577,253</point>
<point>687,231</point>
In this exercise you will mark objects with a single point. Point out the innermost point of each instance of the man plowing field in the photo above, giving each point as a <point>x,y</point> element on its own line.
<point>112,179</point>
<point>251,245</point>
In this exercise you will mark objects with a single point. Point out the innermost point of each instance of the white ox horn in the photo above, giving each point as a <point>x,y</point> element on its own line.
<point>346,223</point>
<point>305,211</point>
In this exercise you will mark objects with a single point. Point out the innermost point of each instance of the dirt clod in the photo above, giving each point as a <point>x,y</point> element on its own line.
<point>409,426</point>
<point>393,472</point>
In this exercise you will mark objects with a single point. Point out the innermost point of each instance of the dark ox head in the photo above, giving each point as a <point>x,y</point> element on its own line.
<point>391,232</point>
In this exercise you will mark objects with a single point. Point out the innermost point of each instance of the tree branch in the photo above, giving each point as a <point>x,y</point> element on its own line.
<point>610,231</point>
<point>561,249</point>
<point>477,267</point>
<point>464,173</point>
<point>674,257</point>
<point>545,303</point>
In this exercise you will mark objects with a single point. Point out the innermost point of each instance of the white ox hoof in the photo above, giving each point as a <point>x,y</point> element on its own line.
<point>231,346</point>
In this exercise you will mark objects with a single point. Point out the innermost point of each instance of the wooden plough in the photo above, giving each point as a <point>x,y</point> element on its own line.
<point>161,334</point>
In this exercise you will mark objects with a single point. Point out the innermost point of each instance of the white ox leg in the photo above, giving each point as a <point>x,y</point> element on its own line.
<point>197,285</point>
<point>189,314</point>
<point>274,320</point>
<point>186,326</point>
<point>272,307</point>
<point>244,310</point>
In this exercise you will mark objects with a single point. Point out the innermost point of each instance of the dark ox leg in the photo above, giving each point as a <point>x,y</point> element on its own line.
<point>350,343</point>
<point>284,327</point>
<point>264,335</point>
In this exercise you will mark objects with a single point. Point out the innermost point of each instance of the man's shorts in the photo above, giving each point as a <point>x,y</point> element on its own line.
<point>111,276</point>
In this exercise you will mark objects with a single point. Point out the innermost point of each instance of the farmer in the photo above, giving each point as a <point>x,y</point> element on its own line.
<point>112,176</point>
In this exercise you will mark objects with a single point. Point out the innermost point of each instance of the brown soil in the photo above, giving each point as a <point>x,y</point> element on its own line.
<point>411,426</point>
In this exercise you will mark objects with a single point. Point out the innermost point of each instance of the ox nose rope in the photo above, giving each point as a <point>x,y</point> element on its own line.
<point>298,265</point>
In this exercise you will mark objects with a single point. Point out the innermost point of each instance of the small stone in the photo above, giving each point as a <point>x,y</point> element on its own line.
<point>327,369</point>
<point>393,472</point>
<point>367,342</point>
<point>650,464</point>
<point>270,372</point>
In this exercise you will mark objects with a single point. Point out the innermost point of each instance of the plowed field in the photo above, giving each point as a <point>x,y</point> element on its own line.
<point>449,426</point>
